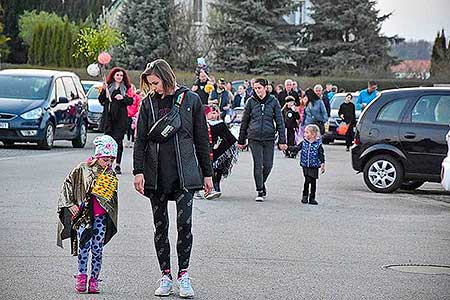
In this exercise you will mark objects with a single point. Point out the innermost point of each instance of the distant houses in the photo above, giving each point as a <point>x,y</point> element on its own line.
<point>412,69</point>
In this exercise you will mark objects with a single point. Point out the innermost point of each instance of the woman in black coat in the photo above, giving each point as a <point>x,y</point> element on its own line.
<point>170,169</point>
<point>114,98</point>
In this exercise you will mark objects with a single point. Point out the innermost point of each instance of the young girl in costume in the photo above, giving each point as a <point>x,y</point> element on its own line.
<point>224,153</point>
<point>87,210</point>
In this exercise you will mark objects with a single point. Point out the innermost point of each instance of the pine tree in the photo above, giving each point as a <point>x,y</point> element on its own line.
<point>58,46</point>
<point>65,55</point>
<point>33,50</point>
<point>145,26</point>
<point>51,46</point>
<point>348,42</point>
<point>440,57</point>
<point>4,49</point>
<point>40,44</point>
<point>248,35</point>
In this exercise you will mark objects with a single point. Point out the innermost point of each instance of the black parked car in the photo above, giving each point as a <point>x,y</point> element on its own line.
<point>42,106</point>
<point>400,138</point>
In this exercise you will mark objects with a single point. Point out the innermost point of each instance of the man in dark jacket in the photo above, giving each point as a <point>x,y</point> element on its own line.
<point>288,91</point>
<point>258,127</point>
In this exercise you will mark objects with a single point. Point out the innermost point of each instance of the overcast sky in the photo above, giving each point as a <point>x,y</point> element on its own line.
<point>416,19</point>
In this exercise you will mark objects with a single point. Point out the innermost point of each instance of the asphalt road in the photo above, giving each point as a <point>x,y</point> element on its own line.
<point>279,249</point>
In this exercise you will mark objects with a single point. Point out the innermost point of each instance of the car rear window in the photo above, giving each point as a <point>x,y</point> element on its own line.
<point>392,111</point>
<point>24,87</point>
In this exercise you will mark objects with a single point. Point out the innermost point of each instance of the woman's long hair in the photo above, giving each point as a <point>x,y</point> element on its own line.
<point>312,96</point>
<point>110,76</point>
<point>161,69</point>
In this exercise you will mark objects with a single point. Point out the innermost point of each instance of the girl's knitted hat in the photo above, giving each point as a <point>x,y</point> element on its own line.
<point>105,145</point>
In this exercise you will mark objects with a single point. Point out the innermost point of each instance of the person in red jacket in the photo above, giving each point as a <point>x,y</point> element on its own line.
<point>132,112</point>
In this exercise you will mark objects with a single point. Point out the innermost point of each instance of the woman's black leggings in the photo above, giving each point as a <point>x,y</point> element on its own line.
<point>161,227</point>
<point>309,181</point>
<point>130,131</point>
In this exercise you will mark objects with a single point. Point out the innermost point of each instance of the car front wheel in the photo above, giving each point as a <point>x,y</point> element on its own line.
<point>49,137</point>
<point>383,174</point>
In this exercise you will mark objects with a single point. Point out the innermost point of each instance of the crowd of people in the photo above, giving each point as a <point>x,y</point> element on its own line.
<point>182,145</point>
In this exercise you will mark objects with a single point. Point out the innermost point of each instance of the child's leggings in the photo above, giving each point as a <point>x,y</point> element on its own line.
<point>309,181</point>
<point>95,245</point>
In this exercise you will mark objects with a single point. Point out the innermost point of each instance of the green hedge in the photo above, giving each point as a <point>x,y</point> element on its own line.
<point>187,78</point>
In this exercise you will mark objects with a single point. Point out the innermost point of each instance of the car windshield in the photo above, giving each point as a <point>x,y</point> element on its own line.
<point>24,87</point>
<point>93,92</point>
<point>336,101</point>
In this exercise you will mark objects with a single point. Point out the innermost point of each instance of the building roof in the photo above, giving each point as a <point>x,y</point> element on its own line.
<point>412,66</point>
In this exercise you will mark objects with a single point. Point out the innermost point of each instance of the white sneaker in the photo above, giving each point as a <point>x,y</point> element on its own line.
<point>186,290</point>
<point>165,286</point>
<point>198,195</point>
<point>213,195</point>
<point>260,197</point>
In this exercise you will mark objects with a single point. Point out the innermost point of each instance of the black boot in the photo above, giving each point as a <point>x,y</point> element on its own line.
<point>312,200</point>
<point>305,198</point>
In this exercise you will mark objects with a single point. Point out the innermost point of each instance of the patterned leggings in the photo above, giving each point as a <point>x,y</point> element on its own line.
<point>161,223</point>
<point>95,245</point>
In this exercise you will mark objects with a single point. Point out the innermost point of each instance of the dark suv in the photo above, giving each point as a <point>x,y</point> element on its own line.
<point>400,138</point>
<point>42,106</point>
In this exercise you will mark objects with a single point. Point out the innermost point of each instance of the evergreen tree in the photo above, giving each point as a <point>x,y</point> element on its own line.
<point>66,46</point>
<point>145,27</point>
<point>4,49</point>
<point>348,42</point>
<point>33,50</point>
<point>249,35</point>
<point>440,58</point>
<point>40,60</point>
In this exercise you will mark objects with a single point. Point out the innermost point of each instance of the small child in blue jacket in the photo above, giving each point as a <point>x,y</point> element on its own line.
<point>312,158</point>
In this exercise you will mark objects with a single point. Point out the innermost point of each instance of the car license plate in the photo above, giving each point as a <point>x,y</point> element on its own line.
<point>4,125</point>
<point>327,127</point>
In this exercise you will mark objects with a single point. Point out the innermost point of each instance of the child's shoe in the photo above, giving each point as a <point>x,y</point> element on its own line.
<point>80,283</point>
<point>305,199</point>
<point>165,286</point>
<point>186,290</point>
<point>312,200</point>
<point>93,286</point>
<point>260,196</point>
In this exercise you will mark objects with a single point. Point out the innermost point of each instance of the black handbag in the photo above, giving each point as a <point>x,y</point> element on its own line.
<point>167,126</point>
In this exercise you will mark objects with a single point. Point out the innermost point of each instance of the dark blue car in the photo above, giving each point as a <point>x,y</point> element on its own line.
<point>42,106</point>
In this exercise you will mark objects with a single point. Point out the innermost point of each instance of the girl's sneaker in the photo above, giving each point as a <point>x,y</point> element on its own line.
<point>80,283</point>
<point>93,286</point>
<point>186,290</point>
<point>165,286</point>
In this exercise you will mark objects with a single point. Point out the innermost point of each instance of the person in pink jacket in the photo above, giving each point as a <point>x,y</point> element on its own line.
<point>132,113</point>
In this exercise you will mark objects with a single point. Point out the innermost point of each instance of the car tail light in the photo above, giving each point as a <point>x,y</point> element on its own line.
<point>357,141</point>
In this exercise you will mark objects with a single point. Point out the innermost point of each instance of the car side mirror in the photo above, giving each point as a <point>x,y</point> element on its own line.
<point>63,100</point>
<point>53,103</point>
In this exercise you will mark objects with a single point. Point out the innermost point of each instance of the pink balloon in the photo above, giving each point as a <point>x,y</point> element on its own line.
<point>104,58</point>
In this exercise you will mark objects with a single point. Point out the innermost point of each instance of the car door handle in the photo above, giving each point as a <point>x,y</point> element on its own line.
<point>410,135</point>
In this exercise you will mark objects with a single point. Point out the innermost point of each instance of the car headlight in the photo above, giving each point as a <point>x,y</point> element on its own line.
<point>32,114</point>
